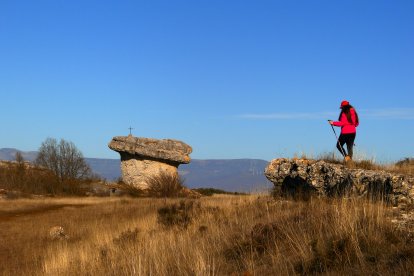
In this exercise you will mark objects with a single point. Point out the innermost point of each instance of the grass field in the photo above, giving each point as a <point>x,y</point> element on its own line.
<point>219,235</point>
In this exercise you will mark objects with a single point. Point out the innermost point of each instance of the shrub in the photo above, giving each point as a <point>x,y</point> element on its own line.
<point>26,178</point>
<point>405,162</point>
<point>212,191</point>
<point>165,184</point>
<point>127,236</point>
<point>176,214</point>
<point>128,189</point>
<point>404,166</point>
<point>263,236</point>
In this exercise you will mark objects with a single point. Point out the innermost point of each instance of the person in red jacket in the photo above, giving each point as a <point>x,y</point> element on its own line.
<point>348,121</point>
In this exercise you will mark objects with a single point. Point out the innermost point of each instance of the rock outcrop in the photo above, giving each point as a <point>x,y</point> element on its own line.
<point>306,177</point>
<point>142,158</point>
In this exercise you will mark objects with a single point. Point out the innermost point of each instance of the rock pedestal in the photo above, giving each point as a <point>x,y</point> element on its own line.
<point>142,158</point>
<point>294,176</point>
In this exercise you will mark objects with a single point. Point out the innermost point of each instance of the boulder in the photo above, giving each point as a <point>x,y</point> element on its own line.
<point>304,176</point>
<point>57,233</point>
<point>142,158</point>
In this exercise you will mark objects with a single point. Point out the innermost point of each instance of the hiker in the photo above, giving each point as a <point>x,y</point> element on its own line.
<point>348,121</point>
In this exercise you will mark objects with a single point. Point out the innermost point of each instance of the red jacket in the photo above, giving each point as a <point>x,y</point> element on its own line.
<point>347,127</point>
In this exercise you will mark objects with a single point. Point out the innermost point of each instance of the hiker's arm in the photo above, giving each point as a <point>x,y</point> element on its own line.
<point>338,123</point>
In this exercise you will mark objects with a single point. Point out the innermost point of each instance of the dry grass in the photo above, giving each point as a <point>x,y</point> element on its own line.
<point>404,166</point>
<point>127,189</point>
<point>222,235</point>
<point>165,184</point>
<point>28,179</point>
<point>25,179</point>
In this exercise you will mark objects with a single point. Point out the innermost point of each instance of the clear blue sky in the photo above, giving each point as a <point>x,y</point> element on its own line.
<point>233,79</point>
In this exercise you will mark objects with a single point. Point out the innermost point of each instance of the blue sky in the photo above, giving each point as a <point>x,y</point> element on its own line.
<point>233,79</point>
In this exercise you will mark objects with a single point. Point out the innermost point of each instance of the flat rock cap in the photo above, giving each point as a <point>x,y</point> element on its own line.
<point>165,149</point>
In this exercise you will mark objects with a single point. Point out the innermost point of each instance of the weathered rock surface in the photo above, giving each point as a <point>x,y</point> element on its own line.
<point>142,158</point>
<point>167,150</point>
<point>294,176</point>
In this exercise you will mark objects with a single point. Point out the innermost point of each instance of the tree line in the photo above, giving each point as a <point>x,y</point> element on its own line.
<point>59,168</point>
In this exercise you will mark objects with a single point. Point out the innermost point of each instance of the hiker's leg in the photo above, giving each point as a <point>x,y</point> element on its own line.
<point>350,143</point>
<point>340,145</point>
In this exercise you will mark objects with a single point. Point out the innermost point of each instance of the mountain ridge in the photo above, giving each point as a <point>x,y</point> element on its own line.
<point>233,175</point>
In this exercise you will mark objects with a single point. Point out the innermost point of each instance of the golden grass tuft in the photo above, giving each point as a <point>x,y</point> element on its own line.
<point>165,184</point>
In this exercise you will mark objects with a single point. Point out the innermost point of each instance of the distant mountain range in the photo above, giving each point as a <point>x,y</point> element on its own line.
<point>234,175</point>
<point>9,154</point>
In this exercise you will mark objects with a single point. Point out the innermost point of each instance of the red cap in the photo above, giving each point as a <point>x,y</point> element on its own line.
<point>344,103</point>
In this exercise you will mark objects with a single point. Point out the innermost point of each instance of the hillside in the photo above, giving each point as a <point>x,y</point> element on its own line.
<point>234,175</point>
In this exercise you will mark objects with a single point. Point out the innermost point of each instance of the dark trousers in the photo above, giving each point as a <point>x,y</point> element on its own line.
<point>347,139</point>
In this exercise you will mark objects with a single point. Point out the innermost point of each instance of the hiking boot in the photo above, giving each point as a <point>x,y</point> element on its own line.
<point>348,158</point>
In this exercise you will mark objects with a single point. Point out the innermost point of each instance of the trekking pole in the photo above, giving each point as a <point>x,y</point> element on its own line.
<point>337,140</point>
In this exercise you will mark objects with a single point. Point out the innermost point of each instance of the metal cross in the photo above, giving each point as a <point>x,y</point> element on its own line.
<point>130,130</point>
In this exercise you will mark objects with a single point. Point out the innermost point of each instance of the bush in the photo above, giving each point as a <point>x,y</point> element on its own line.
<point>165,184</point>
<point>127,236</point>
<point>25,178</point>
<point>404,166</point>
<point>176,214</point>
<point>405,162</point>
<point>128,189</point>
<point>212,191</point>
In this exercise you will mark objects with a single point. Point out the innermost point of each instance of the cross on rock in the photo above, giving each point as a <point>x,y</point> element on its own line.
<point>130,130</point>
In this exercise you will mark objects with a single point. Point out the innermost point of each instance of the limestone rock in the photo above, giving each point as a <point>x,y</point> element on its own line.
<point>327,179</point>
<point>142,158</point>
<point>3,194</point>
<point>57,233</point>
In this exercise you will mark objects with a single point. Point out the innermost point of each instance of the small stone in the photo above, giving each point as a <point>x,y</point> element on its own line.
<point>57,233</point>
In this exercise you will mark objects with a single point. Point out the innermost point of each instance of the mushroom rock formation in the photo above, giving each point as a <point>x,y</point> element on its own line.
<point>142,158</point>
